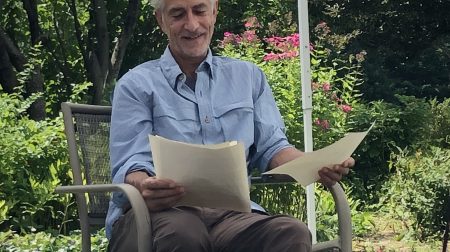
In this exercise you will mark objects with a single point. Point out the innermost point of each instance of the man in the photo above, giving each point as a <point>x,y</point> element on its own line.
<point>191,96</point>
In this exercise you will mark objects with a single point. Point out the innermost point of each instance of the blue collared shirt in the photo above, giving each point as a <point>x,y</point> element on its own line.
<point>231,101</point>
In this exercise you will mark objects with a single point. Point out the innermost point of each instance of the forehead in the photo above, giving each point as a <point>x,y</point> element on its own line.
<point>185,4</point>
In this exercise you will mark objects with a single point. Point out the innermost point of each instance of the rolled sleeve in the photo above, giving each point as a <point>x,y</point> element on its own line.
<point>270,135</point>
<point>131,123</point>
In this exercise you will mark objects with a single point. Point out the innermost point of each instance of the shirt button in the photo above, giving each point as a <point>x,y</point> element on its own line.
<point>207,120</point>
<point>181,77</point>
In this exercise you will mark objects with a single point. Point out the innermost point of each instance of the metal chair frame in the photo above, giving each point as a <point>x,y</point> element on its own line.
<point>343,242</point>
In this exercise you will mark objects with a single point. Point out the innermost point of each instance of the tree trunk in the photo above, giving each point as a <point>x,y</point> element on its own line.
<point>101,69</point>
<point>35,84</point>
<point>122,43</point>
<point>8,79</point>
<point>99,57</point>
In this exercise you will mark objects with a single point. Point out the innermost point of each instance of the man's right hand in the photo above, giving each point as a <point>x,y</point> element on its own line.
<point>159,194</point>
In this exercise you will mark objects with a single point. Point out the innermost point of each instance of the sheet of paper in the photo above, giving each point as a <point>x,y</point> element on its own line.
<point>305,169</point>
<point>213,175</point>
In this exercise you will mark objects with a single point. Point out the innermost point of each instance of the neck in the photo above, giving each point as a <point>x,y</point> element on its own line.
<point>189,65</point>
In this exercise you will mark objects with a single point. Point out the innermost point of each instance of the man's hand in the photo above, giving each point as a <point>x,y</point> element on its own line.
<point>159,194</point>
<point>330,175</point>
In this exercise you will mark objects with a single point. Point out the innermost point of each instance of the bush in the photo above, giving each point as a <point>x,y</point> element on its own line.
<point>33,161</point>
<point>48,242</point>
<point>419,191</point>
<point>291,199</point>
<point>411,122</point>
<point>334,81</point>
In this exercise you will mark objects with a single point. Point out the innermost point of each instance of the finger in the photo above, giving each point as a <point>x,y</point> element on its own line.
<point>331,173</point>
<point>325,180</point>
<point>340,169</point>
<point>162,203</point>
<point>157,183</point>
<point>349,162</point>
<point>162,193</point>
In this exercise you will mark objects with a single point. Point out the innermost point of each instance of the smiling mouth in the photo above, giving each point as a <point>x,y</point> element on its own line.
<point>192,37</point>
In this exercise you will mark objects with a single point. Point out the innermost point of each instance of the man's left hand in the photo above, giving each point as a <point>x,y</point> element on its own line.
<point>330,175</point>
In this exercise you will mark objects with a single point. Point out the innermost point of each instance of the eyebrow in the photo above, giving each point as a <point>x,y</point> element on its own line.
<point>175,10</point>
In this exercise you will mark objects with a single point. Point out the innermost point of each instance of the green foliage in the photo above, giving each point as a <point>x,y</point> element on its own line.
<point>410,122</point>
<point>33,161</point>
<point>419,191</point>
<point>335,81</point>
<point>49,242</point>
<point>407,44</point>
<point>291,199</point>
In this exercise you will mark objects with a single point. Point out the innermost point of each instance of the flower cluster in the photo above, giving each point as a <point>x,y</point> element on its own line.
<point>279,56</point>
<point>324,124</point>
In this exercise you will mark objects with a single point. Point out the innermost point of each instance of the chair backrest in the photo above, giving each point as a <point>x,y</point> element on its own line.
<point>87,130</point>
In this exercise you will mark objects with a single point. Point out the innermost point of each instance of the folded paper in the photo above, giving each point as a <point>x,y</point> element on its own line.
<point>305,169</point>
<point>213,175</point>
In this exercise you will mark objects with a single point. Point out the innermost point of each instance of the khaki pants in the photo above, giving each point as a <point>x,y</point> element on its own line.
<point>192,229</point>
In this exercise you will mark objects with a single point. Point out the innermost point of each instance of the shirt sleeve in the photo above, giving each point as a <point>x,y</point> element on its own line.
<point>270,135</point>
<point>131,123</point>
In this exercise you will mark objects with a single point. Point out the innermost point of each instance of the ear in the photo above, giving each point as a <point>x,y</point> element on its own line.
<point>215,10</point>
<point>160,21</point>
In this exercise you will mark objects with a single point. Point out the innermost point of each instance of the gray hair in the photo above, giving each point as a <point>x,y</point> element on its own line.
<point>158,4</point>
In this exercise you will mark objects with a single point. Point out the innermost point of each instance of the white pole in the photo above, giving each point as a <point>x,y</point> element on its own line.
<point>305,71</point>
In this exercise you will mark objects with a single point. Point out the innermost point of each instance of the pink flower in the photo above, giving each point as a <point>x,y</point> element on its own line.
<point>326,86</point>
<point>270,56</point>
<point>250,36</point>
<point>346,108</point>
<point>360,57</point>
<point>325,124</point>
<point>228,38</point>
<point>314,85</point>
<point>251,22</point>
<point>334,97</point>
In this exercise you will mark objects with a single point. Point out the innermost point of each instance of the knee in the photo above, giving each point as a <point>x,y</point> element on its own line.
<point>182,240</point>
<point>292,230</point>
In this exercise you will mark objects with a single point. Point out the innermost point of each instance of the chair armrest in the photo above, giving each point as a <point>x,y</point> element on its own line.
<point>139,207</point>
<point>344,241</point>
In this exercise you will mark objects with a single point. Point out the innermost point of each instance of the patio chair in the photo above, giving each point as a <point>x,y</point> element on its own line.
<point>87,131</point>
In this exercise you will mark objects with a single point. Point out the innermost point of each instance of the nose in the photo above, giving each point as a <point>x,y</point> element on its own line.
<point>191,22</point>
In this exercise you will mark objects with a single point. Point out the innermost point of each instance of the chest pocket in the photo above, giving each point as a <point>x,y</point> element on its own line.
<point>177,123</point>
<point>236,120</point>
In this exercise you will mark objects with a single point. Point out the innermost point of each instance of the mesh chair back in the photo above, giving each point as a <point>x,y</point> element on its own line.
<point>92,134</point>
<point>87,130</point>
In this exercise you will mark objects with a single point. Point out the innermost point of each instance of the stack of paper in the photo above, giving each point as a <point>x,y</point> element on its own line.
<point>213,175</point>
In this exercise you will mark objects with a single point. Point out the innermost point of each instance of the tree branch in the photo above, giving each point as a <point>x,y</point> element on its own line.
<point>36,82</point>
<point>30,7</point>
<point>99,66</point>
<point>8,79</point>
<point>124,39</point>
<point>101,29</point>
<point>78,34</point>
<point>17,58</point>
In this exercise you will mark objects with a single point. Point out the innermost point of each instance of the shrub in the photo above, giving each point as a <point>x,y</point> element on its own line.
<point>411,122</point>
<point>45,241</point>
<point>334,81</point>
<point>32,162</point>
<point>419,191</point>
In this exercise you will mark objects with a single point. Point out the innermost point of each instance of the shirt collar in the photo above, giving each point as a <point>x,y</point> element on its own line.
<point>172,71</point>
